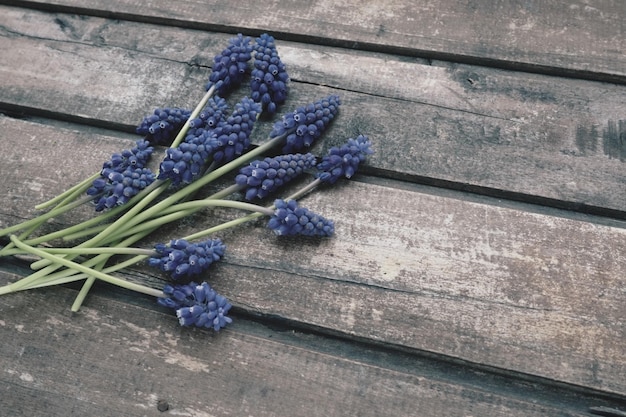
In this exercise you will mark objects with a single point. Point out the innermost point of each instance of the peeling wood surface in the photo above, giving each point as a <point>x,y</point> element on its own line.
<point>558,36</point>
<point>116,359</point>
<point>431,299</point>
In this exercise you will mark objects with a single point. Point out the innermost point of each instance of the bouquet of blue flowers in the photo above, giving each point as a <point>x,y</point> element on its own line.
<point>132,201</point>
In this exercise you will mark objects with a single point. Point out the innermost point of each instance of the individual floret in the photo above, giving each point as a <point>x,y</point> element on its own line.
<point>197,305</point>
<point>232,138</point>
<point>290,219</point>
<point>265,176</point>
<point>344,161</point>
<point>184,259</point>
<point>161,127</point>
<point>305,124</point>
<point>116,188</point>
<point>269,76</point>
<point>231,66</point>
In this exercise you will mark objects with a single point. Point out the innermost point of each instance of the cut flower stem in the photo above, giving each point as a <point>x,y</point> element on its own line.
<point>81,268</point>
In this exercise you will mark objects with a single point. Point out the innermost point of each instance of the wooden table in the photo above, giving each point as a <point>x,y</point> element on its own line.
<point>478,266</point>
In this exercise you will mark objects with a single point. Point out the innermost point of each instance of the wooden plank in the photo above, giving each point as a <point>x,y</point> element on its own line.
<point>114,358</point>
<point>529,137</point>
<point>557,36</point>
<point>503,287</point>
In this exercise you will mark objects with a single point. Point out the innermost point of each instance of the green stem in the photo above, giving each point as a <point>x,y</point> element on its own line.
<point>9,248</point>
<point>69,194</point>
<point>101,250</point>
<point>199,107</point>
<point>37,221</point>
<point>91,272</point>
<point>48,273</point>
<point>88,224</point>
<point>181,210</point>
<point>168,215</point>
<point>173,213</point>
<point>224,226</point>
<point>157,187</point>
<point>84,290</point>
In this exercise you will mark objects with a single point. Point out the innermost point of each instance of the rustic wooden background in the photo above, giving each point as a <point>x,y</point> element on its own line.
<point>478,266</point>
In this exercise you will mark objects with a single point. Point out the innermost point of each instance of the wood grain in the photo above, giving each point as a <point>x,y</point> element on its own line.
<point>557,36</point>
<point>115,358</point>
<point>502,287</point>
<point>535,138</point>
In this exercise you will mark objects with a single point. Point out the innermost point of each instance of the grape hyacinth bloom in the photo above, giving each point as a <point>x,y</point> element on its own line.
<point>231,66</point>
<point>269,76</point>
<point>290,219</point>
<point>305,124</point>
<point>116,188</point>
<point>186,162</point>
<point>345,160</point>
<point>136,157</point>
<point>197,305</point>
<point>182,258</point>
<point>211,116</point>
<point>122,177</point>
<point>161,127</point>
<point>232,138</point>
<point>263,177</point>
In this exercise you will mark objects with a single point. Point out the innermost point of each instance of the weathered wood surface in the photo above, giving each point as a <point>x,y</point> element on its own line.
<point>550,140</point>
<point>114,358</point>
<point>496,286</point>
<point>499,307</point>
<point>574,38</point>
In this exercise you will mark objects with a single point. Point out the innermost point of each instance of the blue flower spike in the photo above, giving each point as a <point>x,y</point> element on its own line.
<point>263,177</point>
<point>184,259</point>
<point>185,163</point>
<point>231,65</point>
<point>344,161</point>
<point>305,124</point>
<point>290,219</point>
<point>212,116</point>
<point>269,76</point>
<point>232,138</point>
<point>197,305</point>
<point>117,188</point>
<point>161,127</point>
<point>122,177</point>
<point>136,157</point>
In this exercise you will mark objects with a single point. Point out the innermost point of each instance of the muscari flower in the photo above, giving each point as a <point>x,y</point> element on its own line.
<point>182,258</point>
<point>230,66</point>
<point>163,125</point>
<point>136,157</point>
<point>122,177</point>
<point>197,305</point>
<point>345,160</point>
<point>269,76</point>
<point>186,162</point>
<point>232,138</point>
<point>305,124</point>
<point>290,219</point>
<point>116,188</point>
<point>213,114</point>
<point>263,177</point>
